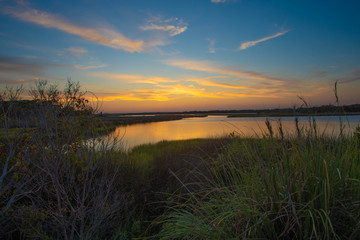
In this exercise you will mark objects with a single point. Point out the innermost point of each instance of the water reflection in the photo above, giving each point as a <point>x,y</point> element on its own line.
<point>214,126</point>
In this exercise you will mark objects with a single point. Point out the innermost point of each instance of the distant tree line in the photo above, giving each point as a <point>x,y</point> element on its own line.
<point>321,110</point>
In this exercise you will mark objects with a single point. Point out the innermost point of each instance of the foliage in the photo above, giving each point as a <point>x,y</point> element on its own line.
<point>54,184</point>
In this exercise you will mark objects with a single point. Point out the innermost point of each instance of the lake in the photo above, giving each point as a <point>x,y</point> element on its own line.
<point>216,126</point>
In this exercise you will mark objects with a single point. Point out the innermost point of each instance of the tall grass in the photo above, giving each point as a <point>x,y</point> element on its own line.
<point>304,187</point>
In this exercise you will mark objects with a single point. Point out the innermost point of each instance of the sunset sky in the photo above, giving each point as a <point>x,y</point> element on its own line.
<point>178,55</point>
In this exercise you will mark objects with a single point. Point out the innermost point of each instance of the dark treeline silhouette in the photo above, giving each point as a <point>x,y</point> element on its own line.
<point>319,110</point>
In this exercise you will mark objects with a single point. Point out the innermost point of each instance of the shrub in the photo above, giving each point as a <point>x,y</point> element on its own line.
<point>54,184</point>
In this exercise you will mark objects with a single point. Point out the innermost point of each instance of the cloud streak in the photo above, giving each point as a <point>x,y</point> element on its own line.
<point>210,83</point>
<point>132,78</point>
<point>18,66</point>
<point>107,37</point>
<point>174,26</point>
<point>135,95</point>
<point>77,52</point>
<point>161,94</point>
<point>166,89</point>
<point>19,71</point>
<point>78,66</point>
<point>17,81</point>
<point>205,66</point>
<point>248,44</point>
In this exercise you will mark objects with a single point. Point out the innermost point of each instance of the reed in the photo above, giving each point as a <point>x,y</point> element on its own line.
<point>306,187</point>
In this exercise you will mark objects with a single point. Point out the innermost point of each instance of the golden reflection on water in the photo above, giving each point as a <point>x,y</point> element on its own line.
<point>216,126</point>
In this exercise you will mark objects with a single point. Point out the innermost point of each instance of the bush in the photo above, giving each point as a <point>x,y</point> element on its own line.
<point>54,184</point>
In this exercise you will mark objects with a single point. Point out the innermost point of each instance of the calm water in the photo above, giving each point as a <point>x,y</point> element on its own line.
<point>214,126</point>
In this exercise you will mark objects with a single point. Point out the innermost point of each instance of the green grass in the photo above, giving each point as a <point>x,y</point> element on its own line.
<point>300,188</point>
<point>12,133</point>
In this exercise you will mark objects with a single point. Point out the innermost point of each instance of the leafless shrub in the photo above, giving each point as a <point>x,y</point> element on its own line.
<point>52,185</point>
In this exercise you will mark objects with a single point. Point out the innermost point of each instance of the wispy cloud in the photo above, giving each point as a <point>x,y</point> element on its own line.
<point>76,51</point>
<point>162,93</point>
<point>165,89</point>
<point>233,82</point>
<point>174,26</point>
<point>78,66</point>
<point>252,95</point>
<point>172,92</point>
<point>133,78</point>
<point>17,81</point>
<point>162,81</point>
<point>211,83</point>
<point>12,65</point>
<point>107,37</point>
<point>206,66</point>
<point>135,95</point>
<point>17,71</point>
<point>246,45</point>
<point>211,45</point>
<point>218,1</point>
<point>354,77</point>
<point>22,2</point>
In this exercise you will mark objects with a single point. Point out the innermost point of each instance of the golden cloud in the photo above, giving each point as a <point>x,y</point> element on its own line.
<point>107,37</point>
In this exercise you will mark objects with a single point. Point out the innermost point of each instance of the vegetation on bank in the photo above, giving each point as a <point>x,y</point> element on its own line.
<point>55,185</point>
<point>304,110</point>
<point>123,120</point>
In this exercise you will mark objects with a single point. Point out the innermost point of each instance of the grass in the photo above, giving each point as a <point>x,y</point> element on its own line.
<point>298,188</point>
<point>11,133</point>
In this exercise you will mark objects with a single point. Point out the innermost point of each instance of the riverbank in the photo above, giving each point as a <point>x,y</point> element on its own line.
<point>123,120</point>
<point>284,114</point>
<point>116,119</point>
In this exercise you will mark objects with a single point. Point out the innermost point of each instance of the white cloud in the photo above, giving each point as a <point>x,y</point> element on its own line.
<point>107,37</point>
<point>218,1</point>
<point>246,45</point>
<point>174,26</point>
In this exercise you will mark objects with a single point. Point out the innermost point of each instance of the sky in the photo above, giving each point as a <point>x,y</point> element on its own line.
<point>184,55</point>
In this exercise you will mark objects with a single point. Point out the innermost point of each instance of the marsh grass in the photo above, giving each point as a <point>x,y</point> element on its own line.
<point>302,186</point>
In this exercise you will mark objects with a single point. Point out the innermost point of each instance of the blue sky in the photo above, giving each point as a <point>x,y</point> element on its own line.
<point>143,55</point>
